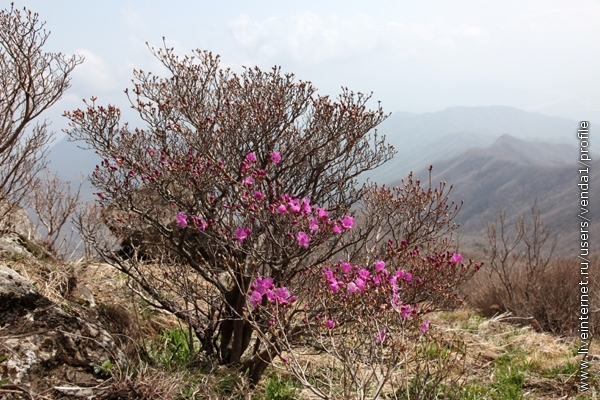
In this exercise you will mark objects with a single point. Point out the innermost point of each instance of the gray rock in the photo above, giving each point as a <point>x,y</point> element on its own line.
<point>18,221</point>
<point>16,292</point>
<point>48,345</point>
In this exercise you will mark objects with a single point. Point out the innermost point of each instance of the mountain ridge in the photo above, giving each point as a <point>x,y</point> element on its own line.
<point>486,179</point>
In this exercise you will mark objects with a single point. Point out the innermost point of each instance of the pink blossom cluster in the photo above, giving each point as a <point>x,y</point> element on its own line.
<point>376,285</point>
<point>182,221</point>
<point>255,201</point>
<point>274,156</point>
<point>358,279</point>
<point>263,287</point>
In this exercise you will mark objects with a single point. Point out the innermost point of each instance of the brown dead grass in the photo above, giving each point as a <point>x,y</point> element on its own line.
<point>488,339</point>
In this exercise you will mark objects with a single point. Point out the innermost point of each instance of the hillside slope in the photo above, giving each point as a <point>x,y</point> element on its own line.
<point>513,174</point>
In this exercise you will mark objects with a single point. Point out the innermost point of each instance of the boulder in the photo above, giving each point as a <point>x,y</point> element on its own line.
<point>139,238</point>
<point>45,347</point>
<point>18,234</point>
<point>17,221</point>
<point>15,245</point>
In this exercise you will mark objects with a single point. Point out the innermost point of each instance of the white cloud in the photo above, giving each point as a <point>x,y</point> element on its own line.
<point>131,16</point>
<point>313,39</point>
<point>306,37</point>
<point>93,73</point>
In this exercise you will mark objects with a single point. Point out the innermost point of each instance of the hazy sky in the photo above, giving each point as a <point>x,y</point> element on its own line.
<point>414,56</point>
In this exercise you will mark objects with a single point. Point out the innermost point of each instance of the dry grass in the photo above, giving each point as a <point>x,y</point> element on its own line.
<point>550,303</point>
<point>545,360</point>
<point>546,363</point>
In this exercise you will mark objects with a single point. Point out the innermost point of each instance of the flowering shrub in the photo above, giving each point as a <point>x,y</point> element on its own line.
<point>243,189</point>
<point>369,318</point>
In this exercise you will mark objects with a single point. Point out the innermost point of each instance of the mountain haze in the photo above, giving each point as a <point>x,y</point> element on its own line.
<point>424,139</point>
<point>513,174</point>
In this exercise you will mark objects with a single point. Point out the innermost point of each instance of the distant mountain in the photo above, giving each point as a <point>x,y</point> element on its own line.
<point>424,139</point>
<point>513,173</point>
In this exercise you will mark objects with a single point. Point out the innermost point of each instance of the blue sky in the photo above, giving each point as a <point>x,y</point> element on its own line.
<point>424,56</point>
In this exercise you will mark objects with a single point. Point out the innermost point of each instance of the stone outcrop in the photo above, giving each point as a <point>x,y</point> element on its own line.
<point>18,235</point>
<point>137,237</point>
<point>18,222</point>
<point>48,348</point>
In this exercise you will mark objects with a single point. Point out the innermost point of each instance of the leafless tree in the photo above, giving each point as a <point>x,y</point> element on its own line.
<point>90,224</point>
<point>518,255</point>
<point>53,202</point>
<point>31,81</point>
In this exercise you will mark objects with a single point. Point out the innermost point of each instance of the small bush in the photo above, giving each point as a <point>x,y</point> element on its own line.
<point>173,349</point>
<point>552,305</point>
<point>524,277</point>
<point>278,387</point>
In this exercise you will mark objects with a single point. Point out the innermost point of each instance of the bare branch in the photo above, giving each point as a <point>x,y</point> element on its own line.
<point>32,81</point>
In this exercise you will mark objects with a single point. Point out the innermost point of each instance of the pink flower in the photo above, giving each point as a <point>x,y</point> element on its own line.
<point>295,205</point>
<point>270,295</point>
<point>263,284</point>
<point>181,219</point>
<point>379,266</point>
<point>360,284</point>
<point>347,222</point>
<point>303,239</point>
<point>255,299</point>
<point>346,267</point>
<point>281,209</point>
<point>425,326</point>
<point>267,282</point>
<point>306,208</point>
<point>408,277</point>
<point>321,213</point>
<point>456,258</point>
<point>258,195</point>
<point>242,233</point>
<point>405,311</point>
<point>283,359</point>
<point>337,229</point>
<point>364,274</point>
<point>334,285</point>
<point>330,324</point>
<point>400,274</point>
<point>313,225</point>
<point>380,336</point>
<point>281,295</point>
<point>329,274</point>
<point>352,287</point>
<point>248,180</point>
<point>276,157</point>
<point>251,157</point>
